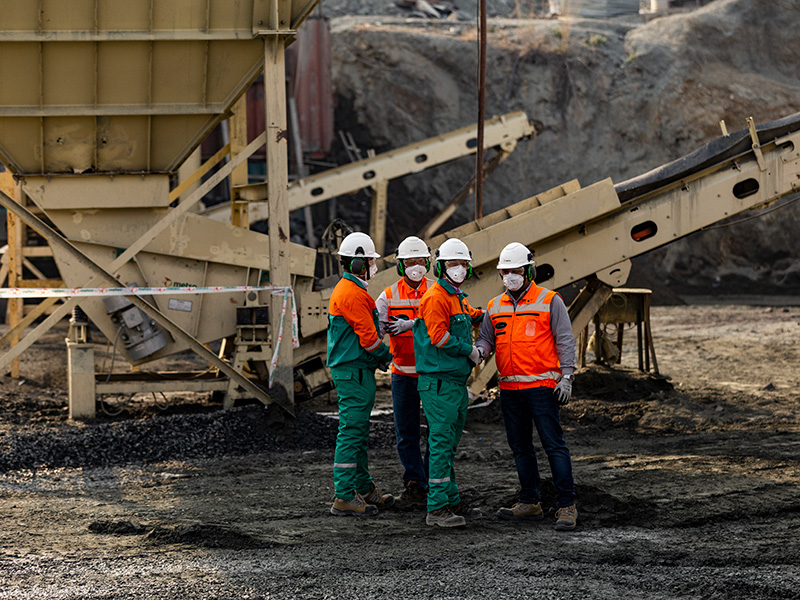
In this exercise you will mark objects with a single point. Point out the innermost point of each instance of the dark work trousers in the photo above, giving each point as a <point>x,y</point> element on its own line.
<point>522,410</point>
<point>406,403</point>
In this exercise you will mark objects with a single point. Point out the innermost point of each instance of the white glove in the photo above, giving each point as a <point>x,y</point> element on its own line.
<point>563,391</point>
<point>476,356</point>
<point>397,326</point>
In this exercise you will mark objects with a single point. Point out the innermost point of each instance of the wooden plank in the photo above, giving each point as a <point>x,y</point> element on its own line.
<point>39,283</point>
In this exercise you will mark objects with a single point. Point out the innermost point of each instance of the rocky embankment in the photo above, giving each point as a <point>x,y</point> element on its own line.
<point>615,98</point>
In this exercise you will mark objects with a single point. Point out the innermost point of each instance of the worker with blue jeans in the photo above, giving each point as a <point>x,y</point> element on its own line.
<point>528,328</point>
<point>397,312</point>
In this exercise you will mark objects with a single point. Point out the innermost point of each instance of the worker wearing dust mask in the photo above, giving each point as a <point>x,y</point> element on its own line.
<point>529,330</point>
<point>355,350</point>
<point>445,355</point>
<point>397,310</point>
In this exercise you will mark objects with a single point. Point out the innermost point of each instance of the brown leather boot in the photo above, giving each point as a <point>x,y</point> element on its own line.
<point>462,509</point>
<point>444,517</point>
<point>566,518</point>
<point>378,498</point>
<point>522,512</point>
<point>355,507</point>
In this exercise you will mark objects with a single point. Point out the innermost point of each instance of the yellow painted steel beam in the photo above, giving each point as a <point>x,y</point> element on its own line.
<point>502,131</point>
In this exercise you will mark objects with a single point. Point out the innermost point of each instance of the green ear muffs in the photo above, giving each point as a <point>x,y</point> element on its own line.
<point>357,265</point>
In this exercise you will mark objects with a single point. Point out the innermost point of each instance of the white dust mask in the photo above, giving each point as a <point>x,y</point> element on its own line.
<point>415,273</point>
<point>457,274</point>
<point>373,270</point>
<point>513,281</point>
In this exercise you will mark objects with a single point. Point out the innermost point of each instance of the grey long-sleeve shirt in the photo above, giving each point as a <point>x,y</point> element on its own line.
<point>559,324</point>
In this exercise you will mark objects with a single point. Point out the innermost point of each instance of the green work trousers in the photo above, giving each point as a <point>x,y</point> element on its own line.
<point>356,391</point>
<point>445,404</point>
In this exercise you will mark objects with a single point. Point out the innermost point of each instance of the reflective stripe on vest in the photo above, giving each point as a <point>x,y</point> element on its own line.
<point>412,370</point>
<point>401,306</point>
<point>532,378</point>
<point>537,306</point>
<point>526,353</point>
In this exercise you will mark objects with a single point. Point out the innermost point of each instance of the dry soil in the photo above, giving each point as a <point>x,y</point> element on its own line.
<point>687,484</point>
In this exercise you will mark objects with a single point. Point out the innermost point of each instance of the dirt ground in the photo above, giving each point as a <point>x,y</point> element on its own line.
<point>687,485</point>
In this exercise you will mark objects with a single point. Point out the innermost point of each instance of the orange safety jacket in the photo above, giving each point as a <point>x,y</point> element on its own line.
<point>403,302</point>
<point>353,327</point>
<point>525,349</point>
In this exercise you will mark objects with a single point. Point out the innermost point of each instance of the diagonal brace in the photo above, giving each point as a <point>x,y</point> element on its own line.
<point>100,274</point>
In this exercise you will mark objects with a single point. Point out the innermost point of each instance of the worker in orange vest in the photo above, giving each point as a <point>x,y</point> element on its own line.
<point>530,332</point>
<point>397,311</point>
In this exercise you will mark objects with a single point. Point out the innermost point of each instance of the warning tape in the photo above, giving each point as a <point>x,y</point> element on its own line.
<point>132,291</point>
<point>286,292</point>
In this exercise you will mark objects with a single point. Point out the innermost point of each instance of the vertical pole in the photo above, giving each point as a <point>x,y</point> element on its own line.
<point>15,310</point>
<point>237,128</point>
<point>278,198</point>
<point>80,380</point>
<point>377,216</point>
<point>302,172</point>
<point>481,110</point>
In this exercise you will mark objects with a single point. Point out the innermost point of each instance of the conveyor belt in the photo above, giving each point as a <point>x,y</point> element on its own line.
<point>707,156</point>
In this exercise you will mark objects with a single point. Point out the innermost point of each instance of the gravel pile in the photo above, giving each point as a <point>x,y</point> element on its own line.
<point>244,430</point>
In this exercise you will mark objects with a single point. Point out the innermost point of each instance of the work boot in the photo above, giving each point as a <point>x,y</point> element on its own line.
<point>566,518</point>
<point>378,498</point>
<point>522,512</point>
<point>355,507</point>
<point>462,509</point>
<point>444,517</point>
<point>414,496</point>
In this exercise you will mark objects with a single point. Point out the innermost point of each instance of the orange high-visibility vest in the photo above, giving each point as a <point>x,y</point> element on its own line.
<point>403,302</point>
<point>525,349</point>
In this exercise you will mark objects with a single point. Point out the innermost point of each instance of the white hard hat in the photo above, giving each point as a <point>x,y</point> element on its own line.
<point>413,247</point>
<point>453,249</point>
<point>358,244</point>
<point>515,255</point>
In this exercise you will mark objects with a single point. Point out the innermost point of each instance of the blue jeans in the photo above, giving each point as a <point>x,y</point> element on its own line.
<point>406,403</point>
<point>522,409</point>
